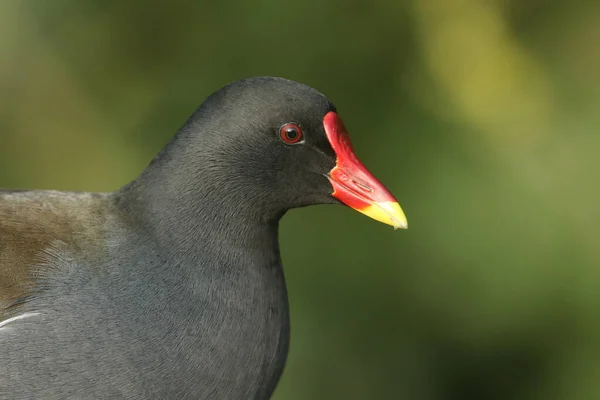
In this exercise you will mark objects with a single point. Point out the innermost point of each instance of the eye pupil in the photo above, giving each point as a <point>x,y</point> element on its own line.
<point>291,133</point>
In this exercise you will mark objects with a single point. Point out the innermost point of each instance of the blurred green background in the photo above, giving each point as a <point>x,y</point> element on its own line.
<point>482,117</point>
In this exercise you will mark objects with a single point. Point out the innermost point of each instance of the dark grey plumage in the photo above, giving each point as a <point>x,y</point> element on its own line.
<point>172,287</point>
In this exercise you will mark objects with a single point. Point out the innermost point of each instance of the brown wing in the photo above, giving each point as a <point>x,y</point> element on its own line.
<point>33,222</point>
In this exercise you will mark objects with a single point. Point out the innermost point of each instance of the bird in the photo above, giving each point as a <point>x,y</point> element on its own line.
<point>172,286</point>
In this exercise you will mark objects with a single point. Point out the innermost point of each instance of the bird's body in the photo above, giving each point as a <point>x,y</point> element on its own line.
<point>103,307</point>
<point>172,287</point>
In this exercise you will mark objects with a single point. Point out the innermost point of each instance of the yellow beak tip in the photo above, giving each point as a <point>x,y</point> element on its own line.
<point>388,212</point>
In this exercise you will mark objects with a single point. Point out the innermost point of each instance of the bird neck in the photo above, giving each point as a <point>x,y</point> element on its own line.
<point>187,223</point>
<point>198,212</point>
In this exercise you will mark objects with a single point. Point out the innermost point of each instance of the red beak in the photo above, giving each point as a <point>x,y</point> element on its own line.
<point>353,184</point>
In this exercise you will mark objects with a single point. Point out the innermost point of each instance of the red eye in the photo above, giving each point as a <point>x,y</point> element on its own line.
<point>290,133</point>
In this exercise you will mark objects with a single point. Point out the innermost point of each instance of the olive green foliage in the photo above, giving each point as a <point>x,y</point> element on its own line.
<point>481,116</point>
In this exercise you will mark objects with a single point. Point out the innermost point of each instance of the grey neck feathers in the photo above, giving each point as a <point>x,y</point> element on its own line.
<point>193,201</point>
